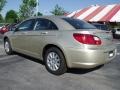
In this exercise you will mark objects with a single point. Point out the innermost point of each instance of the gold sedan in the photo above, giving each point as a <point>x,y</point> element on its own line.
<point>61,43</point>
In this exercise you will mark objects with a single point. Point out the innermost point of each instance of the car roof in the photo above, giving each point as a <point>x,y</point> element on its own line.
<point>52,16</point>
<point>61,24</point>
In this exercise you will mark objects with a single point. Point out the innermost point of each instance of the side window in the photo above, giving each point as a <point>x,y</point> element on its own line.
<point>44,24</point>
<point>26,25</point>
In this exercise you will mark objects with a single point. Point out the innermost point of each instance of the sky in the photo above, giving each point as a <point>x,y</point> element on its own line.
<point>45,6</point>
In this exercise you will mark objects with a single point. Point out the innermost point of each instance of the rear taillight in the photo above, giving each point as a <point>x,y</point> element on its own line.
<point>87,39</point>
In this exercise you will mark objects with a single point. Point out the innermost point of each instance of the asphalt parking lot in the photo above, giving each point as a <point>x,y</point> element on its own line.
<point>19,72</point>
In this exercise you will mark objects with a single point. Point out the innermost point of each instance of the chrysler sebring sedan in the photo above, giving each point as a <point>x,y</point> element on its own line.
<point>61,43</point>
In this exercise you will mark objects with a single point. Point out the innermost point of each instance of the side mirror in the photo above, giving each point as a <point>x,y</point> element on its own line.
<point>12,28</point>
<point>16,29</point>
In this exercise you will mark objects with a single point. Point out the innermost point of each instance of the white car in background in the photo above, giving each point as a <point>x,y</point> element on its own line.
<point>101,26</point>
<point>117,33</point>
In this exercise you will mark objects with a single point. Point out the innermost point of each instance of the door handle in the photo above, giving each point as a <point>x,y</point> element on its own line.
<point>44,33</point>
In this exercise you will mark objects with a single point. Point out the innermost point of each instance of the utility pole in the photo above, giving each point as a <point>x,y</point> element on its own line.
<point>37,7</point>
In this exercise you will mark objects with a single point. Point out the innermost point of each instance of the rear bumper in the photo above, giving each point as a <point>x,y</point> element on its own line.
<point>88,58</point>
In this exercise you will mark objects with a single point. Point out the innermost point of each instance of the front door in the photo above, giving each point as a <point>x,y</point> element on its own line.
<point>20,37</point>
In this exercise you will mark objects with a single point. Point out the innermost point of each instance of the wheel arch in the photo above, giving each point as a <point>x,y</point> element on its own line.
<point>5,38</point>
<point>10,52</point>
<point>52,45</point>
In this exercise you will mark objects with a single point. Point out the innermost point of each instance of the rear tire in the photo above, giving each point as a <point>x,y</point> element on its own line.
<point>7,47</point>
<point>55,61</point>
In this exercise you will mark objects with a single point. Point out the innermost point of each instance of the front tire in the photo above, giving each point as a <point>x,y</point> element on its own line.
<point>55,61</point>
<point>7,47</point>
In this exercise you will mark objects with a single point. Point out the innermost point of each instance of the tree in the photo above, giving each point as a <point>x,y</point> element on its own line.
<point>1,19</point>
<point>27,8</point>
<point>39,14</point>
<point>11,16</point>
<point>58,10</point>
<point>2,4</point>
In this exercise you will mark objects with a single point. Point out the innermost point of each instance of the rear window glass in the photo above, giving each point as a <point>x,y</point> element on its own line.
<point>79,24</point>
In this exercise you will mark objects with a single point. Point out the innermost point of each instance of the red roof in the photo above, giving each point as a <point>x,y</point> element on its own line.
<point>96,13</point>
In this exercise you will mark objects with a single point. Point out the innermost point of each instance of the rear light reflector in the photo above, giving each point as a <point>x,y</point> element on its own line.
<point>87,39</point>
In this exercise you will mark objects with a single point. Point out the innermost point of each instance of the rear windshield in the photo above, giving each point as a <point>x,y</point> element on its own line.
<point>79,24</point>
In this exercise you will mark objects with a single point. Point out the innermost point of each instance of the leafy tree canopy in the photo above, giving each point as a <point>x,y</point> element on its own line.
<point>40,14</point>
<point>11,16</point>
<point>1,19</point>
<point>58,10</point>
<point>2,4</point>
<point>27,8</point>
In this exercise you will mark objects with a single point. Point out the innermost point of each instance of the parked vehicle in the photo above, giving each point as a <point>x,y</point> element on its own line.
<point>101,26</point>
<point>116,33</point>
<point>1,25</point>
<point>61,43</point>
<point>6,28</point>
<point>105,28</point>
